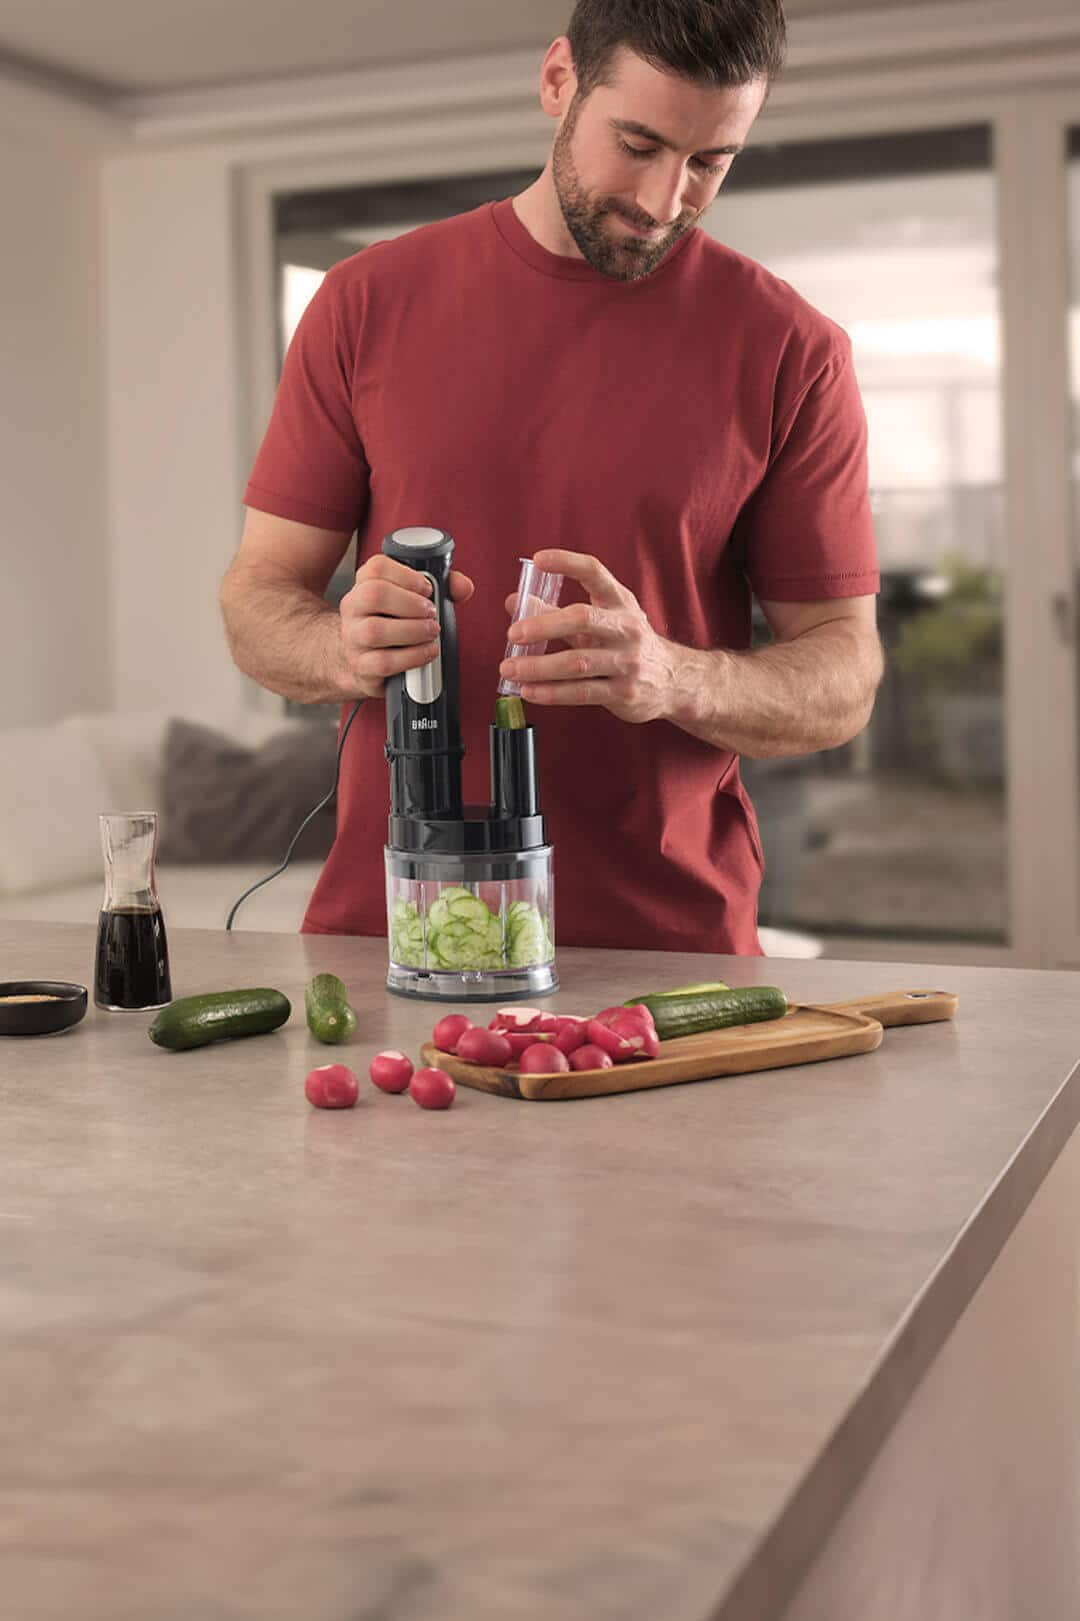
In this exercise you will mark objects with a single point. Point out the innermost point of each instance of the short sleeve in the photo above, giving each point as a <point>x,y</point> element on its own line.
<point>807,534</point>
<point>311,465</point>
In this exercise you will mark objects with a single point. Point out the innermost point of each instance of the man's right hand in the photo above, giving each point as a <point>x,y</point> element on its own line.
<point>388,621</point>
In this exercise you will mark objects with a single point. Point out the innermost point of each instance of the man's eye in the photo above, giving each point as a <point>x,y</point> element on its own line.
<point>650,151</point>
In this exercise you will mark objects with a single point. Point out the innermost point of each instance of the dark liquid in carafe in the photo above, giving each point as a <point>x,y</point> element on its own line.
<point>132,967</point>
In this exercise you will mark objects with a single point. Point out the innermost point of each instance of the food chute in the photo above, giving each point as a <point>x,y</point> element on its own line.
<point>469,895</point>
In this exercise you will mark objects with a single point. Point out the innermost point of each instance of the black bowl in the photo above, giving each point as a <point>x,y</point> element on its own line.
<point>65,1007</point>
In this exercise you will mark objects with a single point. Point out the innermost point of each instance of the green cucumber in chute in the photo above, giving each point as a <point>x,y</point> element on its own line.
<point>692,1011</point>
<point>509,714</point>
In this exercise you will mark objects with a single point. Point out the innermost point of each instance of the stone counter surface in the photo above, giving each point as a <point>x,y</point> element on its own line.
<point>626,1357</point>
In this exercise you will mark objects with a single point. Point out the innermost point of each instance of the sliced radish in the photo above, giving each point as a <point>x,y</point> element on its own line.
<point>591,1057</point>
<point>478,1046</point>
<point>542,1058</point>
<point>391,1071</point>
<point>432,1089</point>
<point>449,1028</point>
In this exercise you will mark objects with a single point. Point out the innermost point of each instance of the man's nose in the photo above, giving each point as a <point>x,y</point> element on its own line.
<point>660,197</point>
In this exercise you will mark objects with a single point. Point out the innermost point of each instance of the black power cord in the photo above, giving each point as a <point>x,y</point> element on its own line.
<point>320,806</point>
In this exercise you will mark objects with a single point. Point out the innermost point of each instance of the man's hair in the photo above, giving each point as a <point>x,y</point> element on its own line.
<point>719,43</point>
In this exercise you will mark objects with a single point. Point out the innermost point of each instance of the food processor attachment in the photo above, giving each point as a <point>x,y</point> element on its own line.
<point>469,891</point>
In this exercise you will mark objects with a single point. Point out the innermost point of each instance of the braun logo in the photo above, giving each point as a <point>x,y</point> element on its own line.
<point>425,725</point>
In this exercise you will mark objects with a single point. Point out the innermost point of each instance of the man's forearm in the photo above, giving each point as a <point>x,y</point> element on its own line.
<point>287,639</point>
<point>795,697</point>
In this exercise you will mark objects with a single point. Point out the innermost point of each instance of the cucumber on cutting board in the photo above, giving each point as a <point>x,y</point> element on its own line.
<point>195,1021</point>
<point>694,1008</point>
<point>329,1016</point>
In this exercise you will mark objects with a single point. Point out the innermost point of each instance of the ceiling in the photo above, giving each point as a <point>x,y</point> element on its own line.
<point>126,47</point>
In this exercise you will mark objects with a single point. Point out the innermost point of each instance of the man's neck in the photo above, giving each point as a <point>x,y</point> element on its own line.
<point>537,207</point>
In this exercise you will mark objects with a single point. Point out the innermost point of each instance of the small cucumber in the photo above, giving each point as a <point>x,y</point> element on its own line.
<point>195,1021</point>
<point>329,1016</point>
<point>690,1011</point>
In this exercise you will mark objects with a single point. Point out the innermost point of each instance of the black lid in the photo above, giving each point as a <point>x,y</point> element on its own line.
<point>476,833</point>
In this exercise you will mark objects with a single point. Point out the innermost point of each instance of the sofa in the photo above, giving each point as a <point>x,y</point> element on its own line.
<point>229,796</point>
<point>56,778</point>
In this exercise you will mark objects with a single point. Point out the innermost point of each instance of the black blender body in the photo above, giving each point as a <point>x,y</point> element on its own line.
<point>423,715</point>
<point>446,857</point>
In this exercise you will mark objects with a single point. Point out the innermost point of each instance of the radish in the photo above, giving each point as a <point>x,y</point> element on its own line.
<point>615,1042</point>
<point>432,1089</point>
<point>331,1086</point>
<point>571,1034</point>
<point>478,1046</point>
<point>520,1039</point>
<point>542,1058</point>
<point>515,1018</point>
<point>449,1028</point>
<point>390,1071</point>
<point>641,1036</point>
<point>591,1057</point>
<point>644,1009</point>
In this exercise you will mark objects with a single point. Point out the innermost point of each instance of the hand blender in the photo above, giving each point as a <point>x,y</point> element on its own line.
<point>469,898</point>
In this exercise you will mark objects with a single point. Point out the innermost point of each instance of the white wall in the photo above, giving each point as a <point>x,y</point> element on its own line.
<point>173,385</point>
<point>54,608</point>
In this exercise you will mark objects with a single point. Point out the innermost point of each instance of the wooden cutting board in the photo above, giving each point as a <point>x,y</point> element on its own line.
<point>803,1036</point>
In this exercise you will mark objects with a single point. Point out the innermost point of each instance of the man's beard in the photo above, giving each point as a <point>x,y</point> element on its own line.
<point>627,258</point>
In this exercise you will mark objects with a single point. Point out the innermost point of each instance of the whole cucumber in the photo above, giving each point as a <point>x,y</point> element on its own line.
<point>196,1021</point>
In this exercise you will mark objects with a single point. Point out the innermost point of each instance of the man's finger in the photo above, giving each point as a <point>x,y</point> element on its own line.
<point>573,665</point>
<point>599,582</point>
<point>461,587</point>
<point>597,693</point>
<point>559,624</point>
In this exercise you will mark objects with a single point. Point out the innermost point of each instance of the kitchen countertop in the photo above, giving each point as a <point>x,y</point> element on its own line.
<point>618,1357</point>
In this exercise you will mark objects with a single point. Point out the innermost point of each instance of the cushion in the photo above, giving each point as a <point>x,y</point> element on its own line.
<point>129,744</point>
<point>52,790</point>
<point>223,801</point>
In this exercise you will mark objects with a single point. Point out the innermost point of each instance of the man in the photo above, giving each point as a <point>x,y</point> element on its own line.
<point>580,375</point>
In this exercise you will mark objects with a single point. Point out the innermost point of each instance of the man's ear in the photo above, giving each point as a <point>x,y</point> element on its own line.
<point>558,81</point>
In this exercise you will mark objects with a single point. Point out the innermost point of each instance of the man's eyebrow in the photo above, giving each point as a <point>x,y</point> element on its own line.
<point>630,126</point>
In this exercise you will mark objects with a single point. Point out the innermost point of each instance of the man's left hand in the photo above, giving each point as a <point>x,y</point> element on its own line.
<point>613,656</point>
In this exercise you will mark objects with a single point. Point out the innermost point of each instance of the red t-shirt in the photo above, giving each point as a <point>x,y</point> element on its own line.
<point>700,431</point>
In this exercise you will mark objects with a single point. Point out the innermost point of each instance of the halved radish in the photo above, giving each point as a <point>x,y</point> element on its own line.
<point>571,1034</point>
<point>478,1046</point>
<point>641,1036</point>
<point>615,1042</point>
<point>542,1058</point>
<point>515,1018</point>
<point>520,1039</point>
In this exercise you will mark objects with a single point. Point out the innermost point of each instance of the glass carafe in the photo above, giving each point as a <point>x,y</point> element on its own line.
<point>132,965</point>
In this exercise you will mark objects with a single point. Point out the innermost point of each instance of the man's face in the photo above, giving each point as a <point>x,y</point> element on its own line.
<point>626,198</point>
